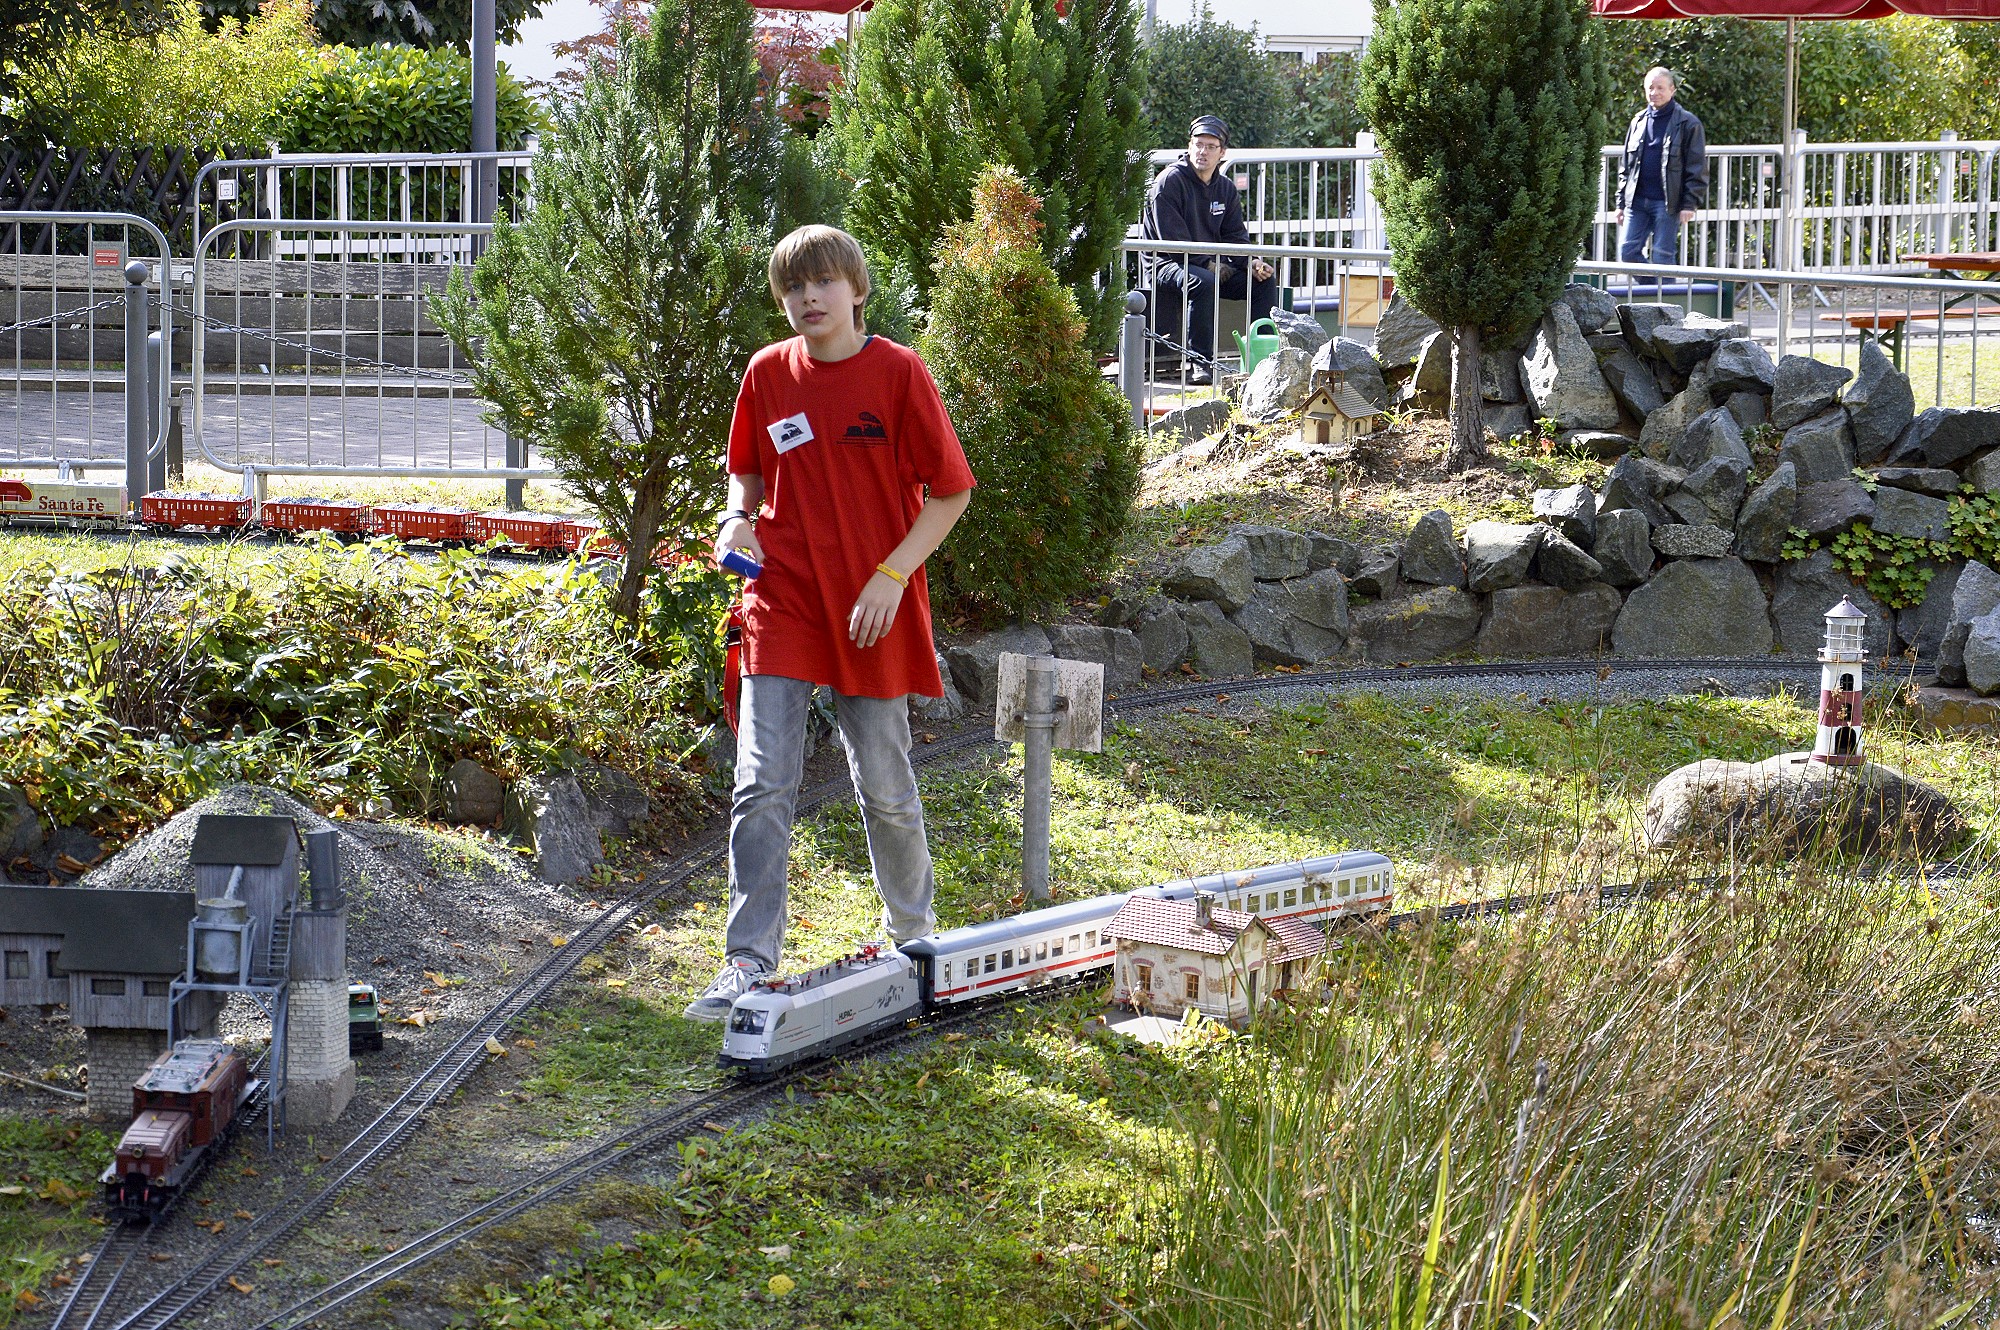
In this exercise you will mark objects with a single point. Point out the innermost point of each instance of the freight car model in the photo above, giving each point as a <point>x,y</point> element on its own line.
<point>75,503</point>
<point>182,1111</point>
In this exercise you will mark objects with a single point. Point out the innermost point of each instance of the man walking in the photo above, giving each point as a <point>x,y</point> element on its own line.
<point>1194,200</point>
<point>1665,174</point>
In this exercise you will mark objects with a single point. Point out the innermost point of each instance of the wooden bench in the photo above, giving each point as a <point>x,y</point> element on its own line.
<point>1887,325</point>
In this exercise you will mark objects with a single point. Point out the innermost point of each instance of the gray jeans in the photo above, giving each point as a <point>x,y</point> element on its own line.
<point>770,761</point>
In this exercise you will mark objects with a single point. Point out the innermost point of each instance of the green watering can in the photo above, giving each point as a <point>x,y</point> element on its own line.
<point>1257,345</point>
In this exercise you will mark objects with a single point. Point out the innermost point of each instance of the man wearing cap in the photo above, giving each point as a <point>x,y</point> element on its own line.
<point>1194,200</point>
<point>1664,176</point>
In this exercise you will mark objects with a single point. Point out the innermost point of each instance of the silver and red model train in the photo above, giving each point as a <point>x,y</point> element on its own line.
<point>182,1110</point>
<point>785,1020</point>
<point>77,503</point>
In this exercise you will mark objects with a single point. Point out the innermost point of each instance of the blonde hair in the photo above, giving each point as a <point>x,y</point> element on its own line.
<point>816,253</point>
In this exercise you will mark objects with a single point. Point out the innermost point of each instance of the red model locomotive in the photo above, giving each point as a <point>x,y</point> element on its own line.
<point>183,1108</point>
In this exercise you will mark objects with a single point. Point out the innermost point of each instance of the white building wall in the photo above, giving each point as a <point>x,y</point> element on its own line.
<point>117,1058</point>
<point>1308,27</point>
<point>319,1073</point>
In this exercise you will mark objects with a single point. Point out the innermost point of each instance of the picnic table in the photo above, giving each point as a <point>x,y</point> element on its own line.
<point>1887,325</point>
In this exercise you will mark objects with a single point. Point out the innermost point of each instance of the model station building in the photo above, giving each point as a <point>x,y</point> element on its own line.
<point>1175,956</point>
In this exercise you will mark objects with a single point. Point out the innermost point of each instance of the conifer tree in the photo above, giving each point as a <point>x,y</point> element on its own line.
<point>1489,114</point>
<point>938,88</point>
<point>1049,439</point>
<point>610,328</point>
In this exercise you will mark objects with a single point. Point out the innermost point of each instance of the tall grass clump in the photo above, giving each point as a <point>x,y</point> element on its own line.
<point>1771,1105</point>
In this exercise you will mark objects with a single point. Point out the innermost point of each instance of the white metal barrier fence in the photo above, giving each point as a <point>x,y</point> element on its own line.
<point>1861,206</point>
<point>1944,333</point>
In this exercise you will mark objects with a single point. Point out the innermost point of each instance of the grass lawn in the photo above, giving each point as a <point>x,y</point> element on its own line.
<point>1045,1173</point>
<point>48,1190</point>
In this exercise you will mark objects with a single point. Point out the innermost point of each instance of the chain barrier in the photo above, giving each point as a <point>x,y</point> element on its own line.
<point>346,358</point>
<point>60,315</point>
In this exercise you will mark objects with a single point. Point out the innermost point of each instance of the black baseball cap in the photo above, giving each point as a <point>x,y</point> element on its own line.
<point>1210,124</point>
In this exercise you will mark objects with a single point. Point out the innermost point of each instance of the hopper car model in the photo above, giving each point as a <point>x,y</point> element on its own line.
<point>182,1110</point>
<point>782,1021</point>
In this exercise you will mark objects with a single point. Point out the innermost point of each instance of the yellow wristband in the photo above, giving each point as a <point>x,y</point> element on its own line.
<point>893,575</point>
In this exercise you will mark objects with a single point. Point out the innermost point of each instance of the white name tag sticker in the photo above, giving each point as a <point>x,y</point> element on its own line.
<point>790,432</point>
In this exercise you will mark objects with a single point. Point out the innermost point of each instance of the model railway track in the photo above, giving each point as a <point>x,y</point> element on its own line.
<point>467,1053</point>
<point>91,1294</point>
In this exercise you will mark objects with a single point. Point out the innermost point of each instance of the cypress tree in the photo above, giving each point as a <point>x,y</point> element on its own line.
<point>1049,439</point>
<point>611,326</point>
<point>1489,114</point>
<point>938,88</point>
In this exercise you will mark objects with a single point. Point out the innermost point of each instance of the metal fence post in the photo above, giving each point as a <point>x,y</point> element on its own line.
<point>158,367</point>
<point>1038,726</point>
<point>1132,357</point>
<point>517,488</point>
<point>138,439</point>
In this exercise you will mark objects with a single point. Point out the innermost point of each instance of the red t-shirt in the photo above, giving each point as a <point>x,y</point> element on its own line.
<point>845,449</point>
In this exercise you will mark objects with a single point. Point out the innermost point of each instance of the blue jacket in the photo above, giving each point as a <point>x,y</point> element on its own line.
<point>1683,161</point>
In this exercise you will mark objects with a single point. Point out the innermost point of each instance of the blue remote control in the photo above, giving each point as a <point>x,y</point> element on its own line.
<point>736,561</point>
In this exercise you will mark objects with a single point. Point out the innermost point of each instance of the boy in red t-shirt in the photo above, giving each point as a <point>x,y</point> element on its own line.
<point>836,439</point>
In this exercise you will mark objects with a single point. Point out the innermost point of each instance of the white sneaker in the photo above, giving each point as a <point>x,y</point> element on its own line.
<point>731,982</point>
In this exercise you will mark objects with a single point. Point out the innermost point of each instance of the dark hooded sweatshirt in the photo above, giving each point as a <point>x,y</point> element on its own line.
<point>1180,207</point>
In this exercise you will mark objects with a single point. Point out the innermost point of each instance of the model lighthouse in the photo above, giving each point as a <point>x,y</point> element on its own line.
<point>1839,740</point>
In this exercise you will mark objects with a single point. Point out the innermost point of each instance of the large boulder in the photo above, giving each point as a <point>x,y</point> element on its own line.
<point>1562,563</point>
<point>1694,339</point>
<point>1509,420</point>
<point>1711,435</point>
<point>1946,436</point>
<point>1216,647</point>
<point>1278,386</point>
<point>1683,540</point>
<point>618,804</point>
<point>1638,322</point>
<point>1804,387</point>
<point>1400,334</point>
<point>1936,481</point>
<point>975,662</point>
<point>1275,553</point>
<point>1916,516</point>
<point>1163,637</point>
<point>1593,308</point>
<point>1712,492</point>
<point>1497,554</point>
<point>1805,590</point>
<point>1880,404</point>
<point>1923,624</point>
<point>1571,510</point>
<point>1624,546</point>
<point>1976,595</point>
<point>1696,607</point>
<point>1667,427</point>
<point>1547,621</point>
<point>1197,420</point>
<point>1432,377</point>
<point>1631,381</point>
<point>1118,650</point>
<point>1788,804</point>
<point>1561,376</point>
<point>948,708</point>
<point>1222,572</point>
<point>1831,507</point>
<point>472,795</point>
<point>1640,482</point>
<point>1297,622</point>
<point>551,816</point>
<point>1742,365</point>
<point>1379,574</point>
<point>1822,448</point>
<point>1500,375</point>
<point>1752,410</point>
<point>1329,551</point>
<point>1765,518</point>
<point>1303,331</point>
<point>1357,365</point>
<point>1433,623</point>
<point>1431,553</point>
<point>21,832</point>
<point>1984,474</point>
<point>1982,654</point>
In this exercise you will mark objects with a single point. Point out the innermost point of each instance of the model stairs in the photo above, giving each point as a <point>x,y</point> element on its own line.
<point>278,956</point>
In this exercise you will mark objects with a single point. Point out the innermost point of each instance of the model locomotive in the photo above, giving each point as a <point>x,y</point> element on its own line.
<point>785,1020</point>
<point>182,1110</point>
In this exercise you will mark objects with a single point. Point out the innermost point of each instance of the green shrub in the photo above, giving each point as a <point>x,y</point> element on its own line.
<point>1208,67</point>
<point>1329,101</point>
<point>339,674</point>
<point>174,86</point>
<point>399,99</point>
<point>1050,442</point>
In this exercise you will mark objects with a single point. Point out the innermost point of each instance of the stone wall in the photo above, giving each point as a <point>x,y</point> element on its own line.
<point>320,1075</point>
<point>118,1058</point>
